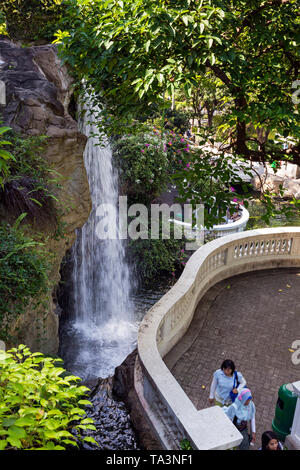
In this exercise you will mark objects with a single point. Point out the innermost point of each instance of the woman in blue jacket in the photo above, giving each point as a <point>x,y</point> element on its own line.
<point>224,381</point>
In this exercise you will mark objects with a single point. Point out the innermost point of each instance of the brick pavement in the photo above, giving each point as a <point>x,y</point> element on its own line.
<point>252,319</point>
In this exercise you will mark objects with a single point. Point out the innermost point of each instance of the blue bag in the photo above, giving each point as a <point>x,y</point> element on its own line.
<point>235,385</point>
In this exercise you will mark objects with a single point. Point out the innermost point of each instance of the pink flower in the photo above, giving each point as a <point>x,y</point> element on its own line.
<point>170,143</point>
<point>232,189</point>
<point>182,140</point>
<point>188,165</point>
<point>147,145</point>
<point>235,200</point>
<point>142,150</point>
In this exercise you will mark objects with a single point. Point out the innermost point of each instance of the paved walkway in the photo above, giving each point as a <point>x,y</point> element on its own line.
<point>252,319</point>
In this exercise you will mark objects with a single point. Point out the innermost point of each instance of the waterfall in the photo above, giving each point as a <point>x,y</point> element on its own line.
<point>103,326</point>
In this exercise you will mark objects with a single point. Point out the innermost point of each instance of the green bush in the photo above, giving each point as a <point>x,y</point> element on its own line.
<point>143,166</point>
<point>5,157</point>
<point>29,184</point>
<point>178,150</point>
<point>156,258</point>
<point>41,407</point>
<point>32,20</point>
<point>24,269</point>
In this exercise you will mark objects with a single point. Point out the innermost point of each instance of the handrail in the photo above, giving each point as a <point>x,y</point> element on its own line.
<point>169,409</point>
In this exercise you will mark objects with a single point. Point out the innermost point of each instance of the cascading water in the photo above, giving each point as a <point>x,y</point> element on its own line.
<point>103,329</point>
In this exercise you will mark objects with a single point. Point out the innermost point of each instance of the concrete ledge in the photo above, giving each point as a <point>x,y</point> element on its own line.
<point>169,409</point>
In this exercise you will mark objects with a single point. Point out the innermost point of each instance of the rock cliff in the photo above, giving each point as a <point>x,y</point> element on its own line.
<point>38,94</point>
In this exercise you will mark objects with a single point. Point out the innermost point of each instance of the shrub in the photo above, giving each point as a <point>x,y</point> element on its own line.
<point>30,185</point>
<point>24,268</point>
<point>155,258</point>
<point>41,408</point>
<point>143,166</point>
<point>178,150</point>
<point>5,156</point>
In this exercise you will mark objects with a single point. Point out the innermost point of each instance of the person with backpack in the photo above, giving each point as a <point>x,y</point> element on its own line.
<point>226,384</point>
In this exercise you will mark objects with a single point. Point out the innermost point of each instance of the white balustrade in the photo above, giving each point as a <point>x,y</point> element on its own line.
<point>169,409</point>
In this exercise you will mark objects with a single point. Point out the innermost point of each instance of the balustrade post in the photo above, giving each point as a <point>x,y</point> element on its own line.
<point>295,250</point>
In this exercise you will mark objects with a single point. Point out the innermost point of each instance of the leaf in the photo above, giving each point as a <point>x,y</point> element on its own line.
<point>3,444</point>
<point>19,220</point>
<point>14,441</point>
<point>84,402</point>
<point>147,45</point>
<point>26,421</point>
<point>185,19</point>
<point>91,439</point>
<point>8,422</point>
<point>68,441</point>
<point>4,129</point>
<point>64,434</point>
<point>6,155</point>
<point>160,77</point>
<point>15,431</point>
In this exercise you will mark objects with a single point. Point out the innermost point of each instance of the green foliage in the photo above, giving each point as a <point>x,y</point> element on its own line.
<point>32,20</point>
<point>41,407</point>
<point>137,54</point>
<point>5,156</point>
<point>177,120</point>
<point>2,24</point>
<point>283,214</point>
<point>24,269</point>
<point>143,166</point>
<point>185,445</point>
<point>30,185</point>
<point>29,160</point>
<point>156,258</point>
<point>178,149</point>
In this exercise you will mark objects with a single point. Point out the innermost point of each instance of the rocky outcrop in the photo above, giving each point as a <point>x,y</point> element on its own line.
<point>123,389</point>
<point>38,93</point>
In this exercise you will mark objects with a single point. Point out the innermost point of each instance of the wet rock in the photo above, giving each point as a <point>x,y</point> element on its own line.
<point>114,429</point>
<point>123,389</point>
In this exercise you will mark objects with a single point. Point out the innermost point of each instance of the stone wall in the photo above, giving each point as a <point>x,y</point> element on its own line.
<point>38,93</point>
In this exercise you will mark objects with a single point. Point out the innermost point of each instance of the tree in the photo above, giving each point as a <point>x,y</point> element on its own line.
<point>135,53</point>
